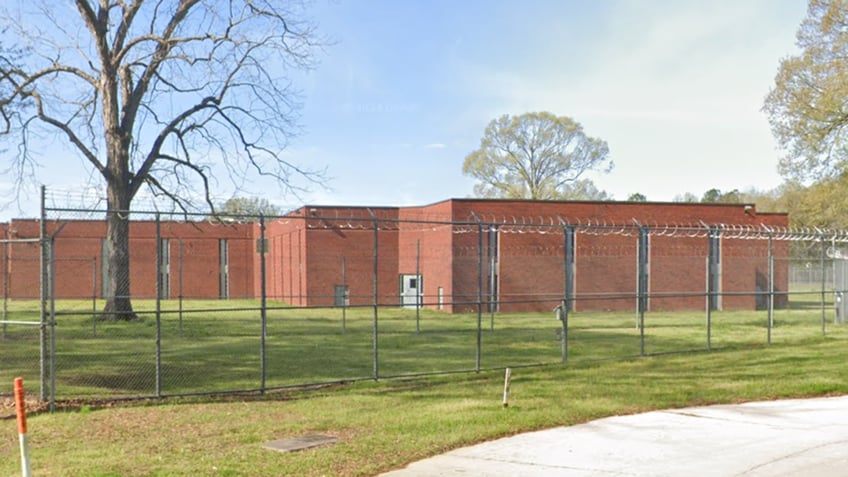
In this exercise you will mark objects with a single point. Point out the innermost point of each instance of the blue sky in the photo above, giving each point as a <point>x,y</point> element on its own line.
<point>406,88</point>
<point>674,87</point>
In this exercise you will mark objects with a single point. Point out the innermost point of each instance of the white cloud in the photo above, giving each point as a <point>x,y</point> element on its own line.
<point>675,88</point>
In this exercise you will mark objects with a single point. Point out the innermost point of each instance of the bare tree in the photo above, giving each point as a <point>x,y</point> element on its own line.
<point>157,95</point>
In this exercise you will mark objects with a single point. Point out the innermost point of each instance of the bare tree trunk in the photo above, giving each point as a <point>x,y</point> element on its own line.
<point>118,301</point>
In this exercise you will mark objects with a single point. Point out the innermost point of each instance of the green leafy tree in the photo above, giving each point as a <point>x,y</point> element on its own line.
<point>766,200</point>
<point>155,95</point>
<point>732,197</point>
<point>583,189</point>
<point>535,156</point>
<point>711,196</point>
<point>687,197</point>
<point>247,208</point>
<point>822,204</point>
<point>637,197</point>
<point>716,196</point>
<point>808,105</point>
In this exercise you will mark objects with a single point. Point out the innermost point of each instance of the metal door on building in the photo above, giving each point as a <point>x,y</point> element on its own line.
<point>411,291</point>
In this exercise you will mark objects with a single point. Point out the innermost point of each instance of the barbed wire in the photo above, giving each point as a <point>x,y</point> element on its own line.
<point>387,220</point>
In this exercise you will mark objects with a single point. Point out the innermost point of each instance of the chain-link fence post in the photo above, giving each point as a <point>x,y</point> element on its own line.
<point>713,251</point>
<point>642,284</point>
<point>51,288</point>
<point>770,285</point>
<point>6,268</point>
<point>159,275</point>
<point>180,285</point>
<point>708,316</point>
<point>43,295</point>
<point>567,284</point>
<point>264,303</point>
<point>375,274</point>
<point>822,255</point>
<point>344,294</point>
<point>419,287</point>
<point>491,251</point>
<point>94,297</point>
<point>479,353</point>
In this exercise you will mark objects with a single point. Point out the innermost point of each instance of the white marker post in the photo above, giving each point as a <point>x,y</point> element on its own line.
<point>20,404</point>
<point>507,378</point>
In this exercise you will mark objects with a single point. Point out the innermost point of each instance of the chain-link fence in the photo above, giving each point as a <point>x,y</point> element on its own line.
<point>22,331</point>
<point>245,304</point>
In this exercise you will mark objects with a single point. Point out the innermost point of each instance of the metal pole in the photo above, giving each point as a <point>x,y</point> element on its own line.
<point>94,296</point>
<point>713,244</point>
<point>375,329</point>
<point>479,353</point>
<point>563,312</point>
<point>492,248</point>
<point>567,280</point>
<point>823,282</point>
<point>52,294</point>
<point>771,286</point>
<point>44,296</point>
<point>344,297</point>
<point>6,267</point>
<point>642,284</point>
<point>180,284</point>
<point>418,288</point>
<point>158,306</point>
<point>708,297</point>
<point>264,303</point>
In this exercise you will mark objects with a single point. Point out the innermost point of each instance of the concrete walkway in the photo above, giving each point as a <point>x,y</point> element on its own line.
<point>778,438</point>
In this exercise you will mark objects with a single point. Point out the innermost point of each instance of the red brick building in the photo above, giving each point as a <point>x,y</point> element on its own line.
<point>513,255</point>
<point>214,260</point>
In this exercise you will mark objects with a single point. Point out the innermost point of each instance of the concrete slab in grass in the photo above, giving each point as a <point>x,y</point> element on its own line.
<point>300,443</point>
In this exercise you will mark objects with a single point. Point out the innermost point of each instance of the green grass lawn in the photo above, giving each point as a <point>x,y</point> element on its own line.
<point>386,424</point>
<point>216,346</point>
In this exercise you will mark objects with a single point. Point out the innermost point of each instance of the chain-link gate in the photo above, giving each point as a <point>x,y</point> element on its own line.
<point>23,327</point>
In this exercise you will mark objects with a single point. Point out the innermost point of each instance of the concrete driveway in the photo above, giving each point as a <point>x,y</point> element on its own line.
<point>806,437</point>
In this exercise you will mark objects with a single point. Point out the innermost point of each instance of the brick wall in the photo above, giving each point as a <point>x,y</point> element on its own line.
<point>309,250</point>
<point>78,252</point>
<point>605,264</point>
<point>309,246</point>
<point>426,232</point>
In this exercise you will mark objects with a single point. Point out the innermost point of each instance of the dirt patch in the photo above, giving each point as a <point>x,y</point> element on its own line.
<point>8,411</point>
<point>35,406</point>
